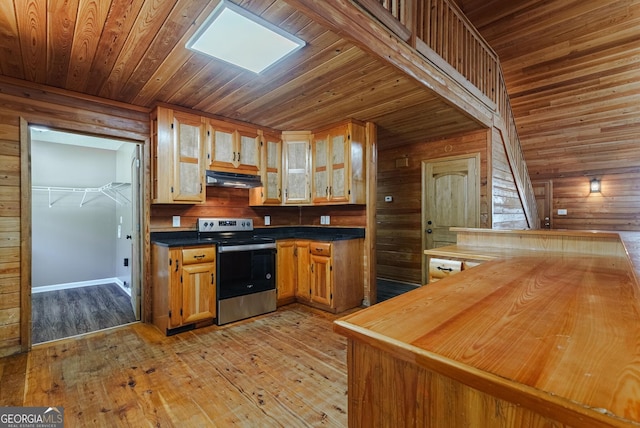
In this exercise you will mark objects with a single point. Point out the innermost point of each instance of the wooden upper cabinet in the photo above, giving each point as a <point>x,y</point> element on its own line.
<point>296,168</point>
<point>232,148</point>
<point>271,172</point>
<point>338,165</point>
<point>177,157</point>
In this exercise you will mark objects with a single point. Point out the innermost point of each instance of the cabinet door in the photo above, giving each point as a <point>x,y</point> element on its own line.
<point>175,288</point>
<point>198,292</point>
<point>339,166</point>
<point>272,171</point>
<point>321,169</point>
<point>297,189</point>
<point>321,280</point>
<point>303,262</point>
<point>286,271</point>
<point>222,150</point>
<point>247,152</point>
<point>188,137</point>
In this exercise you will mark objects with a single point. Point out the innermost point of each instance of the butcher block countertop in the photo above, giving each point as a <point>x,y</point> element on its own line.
<point>550,322</point>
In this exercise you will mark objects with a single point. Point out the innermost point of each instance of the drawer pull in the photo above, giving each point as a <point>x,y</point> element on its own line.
<point>445,269</point>
<point>201,256</point>
<point>319,249</point>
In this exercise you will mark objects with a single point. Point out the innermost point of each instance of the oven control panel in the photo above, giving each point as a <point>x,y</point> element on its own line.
<point>224,224</point>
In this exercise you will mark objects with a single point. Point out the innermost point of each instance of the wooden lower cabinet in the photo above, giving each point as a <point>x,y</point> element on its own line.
<point>440,268</point>
<point>328,275</point>
<point>184,287</point>
<point>286,271</point>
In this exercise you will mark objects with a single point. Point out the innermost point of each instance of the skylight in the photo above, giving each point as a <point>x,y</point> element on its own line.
<point>236,36</point>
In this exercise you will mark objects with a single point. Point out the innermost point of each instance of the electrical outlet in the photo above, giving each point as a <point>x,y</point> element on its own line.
<point>562,212</point>
<point>327,219</point>
<point>176,221</point>
<point>267,220</point>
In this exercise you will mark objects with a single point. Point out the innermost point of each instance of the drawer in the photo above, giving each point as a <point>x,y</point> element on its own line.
<point>320,248</point>
<point>441,268</point>
<point>198,255</point>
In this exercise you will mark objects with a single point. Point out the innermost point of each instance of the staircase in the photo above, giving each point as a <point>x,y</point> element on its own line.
<point>442,34</point>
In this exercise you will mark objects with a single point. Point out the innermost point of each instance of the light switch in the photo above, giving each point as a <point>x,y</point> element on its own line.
<point>176,221</point>
<point>562,212</point>
<point>267,220</point>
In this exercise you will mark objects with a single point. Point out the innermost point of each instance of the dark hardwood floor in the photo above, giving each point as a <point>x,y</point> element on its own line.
<point>65,313</point>
<point>283,369</point>
<point>388,289</point>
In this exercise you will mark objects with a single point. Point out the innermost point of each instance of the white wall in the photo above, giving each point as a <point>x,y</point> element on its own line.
<point>124,214</point>
<point>72,243</point>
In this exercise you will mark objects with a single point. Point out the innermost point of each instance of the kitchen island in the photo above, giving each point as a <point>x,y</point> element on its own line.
<point>545,332</point>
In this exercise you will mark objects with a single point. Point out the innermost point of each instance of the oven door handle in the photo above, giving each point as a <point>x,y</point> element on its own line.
<point>245,247</point>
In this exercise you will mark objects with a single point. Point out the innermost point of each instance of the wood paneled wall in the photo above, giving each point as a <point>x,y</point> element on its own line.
<point>571,70</point>
<point>399,236</point>
<point>58,109</point>
<point>616,207</point>
<point>226,202</point>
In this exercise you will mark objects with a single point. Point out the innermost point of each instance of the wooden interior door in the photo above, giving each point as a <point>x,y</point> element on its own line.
<point>451,198</point>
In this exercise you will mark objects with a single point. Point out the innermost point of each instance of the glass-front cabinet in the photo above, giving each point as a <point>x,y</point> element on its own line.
<point>271,173</point>
<point>232,148</point>
<point>338,164</point>
<point>177,157</point>
<point>296,178</point>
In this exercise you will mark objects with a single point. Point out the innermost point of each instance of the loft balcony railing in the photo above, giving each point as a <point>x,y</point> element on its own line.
<point>442,34</point>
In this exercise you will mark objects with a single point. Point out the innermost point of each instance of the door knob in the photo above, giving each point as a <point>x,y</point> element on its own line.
<point>429,230</point>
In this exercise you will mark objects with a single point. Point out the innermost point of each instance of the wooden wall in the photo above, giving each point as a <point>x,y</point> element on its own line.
<point>226,202</point>
<point>42,106</point>
<point>617,207</point>
<point>571,70</point>
<point>399,236</point>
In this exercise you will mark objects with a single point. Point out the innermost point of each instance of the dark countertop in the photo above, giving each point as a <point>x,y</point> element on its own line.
<point>315,233</point>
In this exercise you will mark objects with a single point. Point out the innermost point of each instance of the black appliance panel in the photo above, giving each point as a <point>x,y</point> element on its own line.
<point>246,272</point>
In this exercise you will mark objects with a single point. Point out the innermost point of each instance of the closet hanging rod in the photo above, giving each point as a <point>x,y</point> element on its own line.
<point>110,190</point>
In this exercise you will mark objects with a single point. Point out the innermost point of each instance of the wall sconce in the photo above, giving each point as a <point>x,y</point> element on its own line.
<point>595,186</point>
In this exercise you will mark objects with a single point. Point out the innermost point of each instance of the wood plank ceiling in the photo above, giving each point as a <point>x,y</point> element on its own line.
<point>572,69</point>
<point>133,51</point>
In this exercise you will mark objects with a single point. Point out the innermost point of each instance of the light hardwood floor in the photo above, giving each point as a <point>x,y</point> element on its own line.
<point>284,369</point>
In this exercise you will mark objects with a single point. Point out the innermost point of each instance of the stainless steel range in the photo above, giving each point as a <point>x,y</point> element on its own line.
<point>245,265</point>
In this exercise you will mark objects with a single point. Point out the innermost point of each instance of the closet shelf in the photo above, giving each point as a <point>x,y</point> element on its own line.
<point>111,190</point>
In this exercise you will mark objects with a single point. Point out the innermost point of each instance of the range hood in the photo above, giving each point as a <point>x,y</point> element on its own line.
<point>229,179</point>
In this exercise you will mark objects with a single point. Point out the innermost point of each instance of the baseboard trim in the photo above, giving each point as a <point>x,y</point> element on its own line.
<point>69,285</point>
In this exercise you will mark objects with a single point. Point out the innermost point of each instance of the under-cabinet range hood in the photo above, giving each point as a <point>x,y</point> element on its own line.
<point>229,179</point>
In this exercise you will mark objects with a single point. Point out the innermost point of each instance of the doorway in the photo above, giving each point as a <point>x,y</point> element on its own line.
<point>543,190</point>
<point>450,198</point>
<point>85,220</point>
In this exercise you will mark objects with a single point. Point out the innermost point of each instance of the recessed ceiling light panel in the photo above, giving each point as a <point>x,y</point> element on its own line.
<point>239,37</point>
